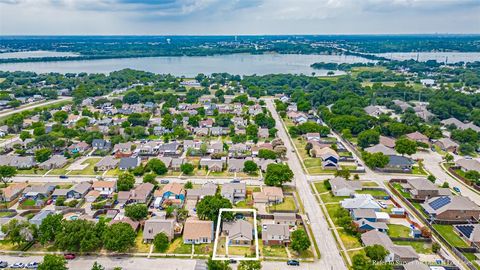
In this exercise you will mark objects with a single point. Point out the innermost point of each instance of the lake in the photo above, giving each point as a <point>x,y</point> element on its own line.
<point>189,66</point>
<point>453,57</point>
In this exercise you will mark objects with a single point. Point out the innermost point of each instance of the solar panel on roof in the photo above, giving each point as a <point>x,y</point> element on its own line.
<point>439,203</point>
<point>466,230</point>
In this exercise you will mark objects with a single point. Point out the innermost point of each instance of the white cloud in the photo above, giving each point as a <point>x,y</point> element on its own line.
<point>238,16</point>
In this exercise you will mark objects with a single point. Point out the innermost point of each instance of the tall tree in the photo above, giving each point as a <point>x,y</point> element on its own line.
<point>277,174</point>
<point>300,241</point>
<point>53,262</point>
<point>6,173</point>
<point>119,237</point>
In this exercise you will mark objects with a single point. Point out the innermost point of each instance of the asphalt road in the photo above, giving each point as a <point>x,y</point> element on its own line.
<point>330,255</point>
<point>29,107</point>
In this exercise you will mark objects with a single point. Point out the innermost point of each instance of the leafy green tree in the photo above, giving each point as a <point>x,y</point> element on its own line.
<point>209,207</point>
<point>250,166</point>
<point>361,262</point>
<point>137,211</point>
<point>6,173</point>
<point>97,266</point>
<point>250,265</point>
<point>278,174</point>
<point>267,154</point>
<point>50,226</point>
<point>131,97</point>
<point>368,137</point>
<point>19,232</point>
<point>376,252</point>
<point>187,168</point>
<point>157,166</point>
<point>43,154</point>
<point>431,178</point>
<point>252,130</point>
<point>150,178</point>
<point>405,146</point>
<point>448,158</point>
<point>125,182</point>
<point>473,175</point>
<point>78,235</point>
<point>375,160</point>
<point>188,185</point>
<point>160,242</point>
<point>53,262</point>
<point>343,173</point>
<point>218,265</point>
<point>60,116</point>
<point>300,241</point>
<point>119,237</point>
<point>25,135</point>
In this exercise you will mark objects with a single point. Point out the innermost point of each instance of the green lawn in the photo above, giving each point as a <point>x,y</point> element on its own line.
<point>420,247</point>
<point>307,254</point>
<point>32,171</point>
<point>114,172</point>
<point>373,192</point>
<point>287,204</point>
<point>312,162</point>
<point>399,188</point>
<point>28,202</point>
<point>369,184</point>
<point>5,214</point>
<point>89,170</point>
<point>348,240</point>
<point>204,249</point>
<point>139,245</point>
<point>178,247</point>
<point>328,197</point>
<point>395,230</point>
<point>418,170</point>
<point>450,235</point>
<point>246,251</point>
<point>273,251</point>
<point>320,187</point>
<point>332,209</point>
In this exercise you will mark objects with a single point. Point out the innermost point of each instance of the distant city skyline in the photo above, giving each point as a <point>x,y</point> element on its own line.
<point>238,17</point>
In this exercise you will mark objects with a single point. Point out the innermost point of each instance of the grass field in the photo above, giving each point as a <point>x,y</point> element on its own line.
<point>328,197</point>
<point>373,192</point>
<point>287,204</point>
<point>139,245</point>
<point>332,209</point>
<point>420,247</point>
<point>320,187</point>
<point>178,247</point>
<point>272,251</point>
<point>89,170</point>
<point>348,240</point>
<point>395,230</point>
<point>449,234</point>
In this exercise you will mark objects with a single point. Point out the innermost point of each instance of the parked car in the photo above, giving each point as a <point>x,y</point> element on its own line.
<point>456,189</point>
<point>32,265</point>
<point>3,264</point>
<point>232,261</point>
<point>164,182</point>
<point>63,177</point>
<point>235,180</point>
<point>17,265</point>
<point>382,204</point>
<point>69,256</point>
<point>293,263</point>
<point>49,202</point>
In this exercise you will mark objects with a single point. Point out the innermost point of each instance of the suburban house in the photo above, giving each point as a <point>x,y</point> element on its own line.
<point>360,201</point>
<point>289,219</point>
<point>312,137</point>
<point>459,124</point>
<point>235,192</point>
<point>447,144</point>
<point>18,162</point>
<point>416,265</point>
<point>236,164</point>
<point>158,225</point>
<point>452,208</point>
<point>134,224</point>
<point>101,144</point>
<point>329,157</point>
<point>214,165</point>
<point>38,191</point>
<point>401,163</point>
<point>141,193</point>
<point>422,189</point>
<point>207,189</point>
<point>468,165</point>
<point>387,141</point>
<point>275,234</point>
<point>128,163</point>
<point>79,190</point>
<point>239,232</point>
<point>172,192</point>
<point>54,162</point>
<point>106,188</point>
<point>396,253</point>
<point>370,215</point>
<point>198,231</point>
<point>269,195</point>
<point>418,137</point>
<point>380,148</point>
<point>364,225</point>
<point>40,216</point>
<point>341,187</point>
<point>107,163</point>
<point>13,191</point>
<point>469,232</point>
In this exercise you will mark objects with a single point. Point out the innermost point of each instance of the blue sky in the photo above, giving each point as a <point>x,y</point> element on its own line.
<point>217,17</point>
